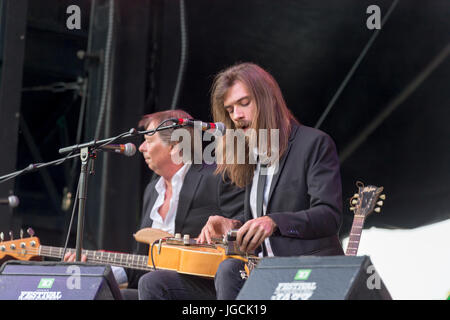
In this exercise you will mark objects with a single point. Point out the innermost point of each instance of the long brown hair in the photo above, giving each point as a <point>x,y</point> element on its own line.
<point>272,112</point>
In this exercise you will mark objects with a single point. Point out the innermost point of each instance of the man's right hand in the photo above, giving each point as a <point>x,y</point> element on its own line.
<point>216,227</point>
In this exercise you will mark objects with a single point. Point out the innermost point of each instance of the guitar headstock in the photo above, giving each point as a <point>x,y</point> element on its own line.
<point>367,200</point>
<point>19,249</point>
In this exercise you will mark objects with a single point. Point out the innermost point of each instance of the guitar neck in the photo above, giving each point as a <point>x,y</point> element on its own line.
<point>355,235</point>
<point>125,260</point>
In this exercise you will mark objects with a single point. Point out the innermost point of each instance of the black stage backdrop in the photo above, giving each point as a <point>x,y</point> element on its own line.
<point>389,120</point>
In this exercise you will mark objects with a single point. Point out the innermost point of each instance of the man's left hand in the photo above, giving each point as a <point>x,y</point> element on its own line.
<point>252,234</point>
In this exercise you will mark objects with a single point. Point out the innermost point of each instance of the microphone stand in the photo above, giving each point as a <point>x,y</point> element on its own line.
<point>85,155</point>
<point>87,152</point>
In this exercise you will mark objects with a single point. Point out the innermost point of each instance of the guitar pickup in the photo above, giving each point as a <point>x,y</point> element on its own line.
<point>180,241</point>
<point>186,240</point>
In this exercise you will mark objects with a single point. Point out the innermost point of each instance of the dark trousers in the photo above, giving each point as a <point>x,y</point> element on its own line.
<point>228,280</point>
<point>129,294</point>
<point>170,285</point>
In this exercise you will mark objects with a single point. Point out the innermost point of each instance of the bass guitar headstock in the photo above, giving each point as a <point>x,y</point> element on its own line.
<point>19,249</point>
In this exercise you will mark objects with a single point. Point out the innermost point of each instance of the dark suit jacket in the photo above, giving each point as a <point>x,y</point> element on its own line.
<point>305,198</point>
<point>203,194</point>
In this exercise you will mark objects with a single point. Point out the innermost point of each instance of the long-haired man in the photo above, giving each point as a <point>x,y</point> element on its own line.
<point>293,201</point>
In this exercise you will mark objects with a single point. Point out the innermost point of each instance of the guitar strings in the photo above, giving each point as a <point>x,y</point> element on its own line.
<point>141,264</point>
<point>97,257</point>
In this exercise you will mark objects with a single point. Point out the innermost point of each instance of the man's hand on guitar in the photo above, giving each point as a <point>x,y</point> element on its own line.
<point>216,227</point>
<point>252,234</point>
<point>71,257</point>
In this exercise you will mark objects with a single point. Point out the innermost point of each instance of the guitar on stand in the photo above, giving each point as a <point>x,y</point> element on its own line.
<point>363,204</point>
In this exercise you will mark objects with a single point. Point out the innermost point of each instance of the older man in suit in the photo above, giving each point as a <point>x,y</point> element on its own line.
<point>179,199</point>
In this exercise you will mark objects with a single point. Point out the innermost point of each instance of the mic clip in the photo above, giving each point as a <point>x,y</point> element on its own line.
<point>93,156</point>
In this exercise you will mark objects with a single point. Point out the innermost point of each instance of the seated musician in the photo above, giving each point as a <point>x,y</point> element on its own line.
<point>180,199</point>
<point>296,211</point>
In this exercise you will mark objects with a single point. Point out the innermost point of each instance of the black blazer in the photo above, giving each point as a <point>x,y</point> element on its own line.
<point>203,194</point>
<point>305,198</point>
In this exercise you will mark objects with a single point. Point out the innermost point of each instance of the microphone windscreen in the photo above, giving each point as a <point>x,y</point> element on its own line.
<point>220,127</point>
<point>13,201</point>
<point>130,149</point>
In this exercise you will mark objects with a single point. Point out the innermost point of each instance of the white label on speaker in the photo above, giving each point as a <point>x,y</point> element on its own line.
<point>294,291</point>
<point>40,295</point>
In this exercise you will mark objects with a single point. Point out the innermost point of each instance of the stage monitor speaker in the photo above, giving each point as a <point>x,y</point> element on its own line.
<point>25,280</point>
<point>314,278</point>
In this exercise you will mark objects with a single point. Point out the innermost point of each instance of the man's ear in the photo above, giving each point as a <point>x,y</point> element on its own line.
<point>174,148</point>
<point>175,154</point>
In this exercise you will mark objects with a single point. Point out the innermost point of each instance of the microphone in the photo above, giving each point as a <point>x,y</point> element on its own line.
<point>12,201</point>
<point>216,126</point>
<point>128,149</point>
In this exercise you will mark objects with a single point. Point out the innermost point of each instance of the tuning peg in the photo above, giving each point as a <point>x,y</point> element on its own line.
<point>21,233</point>
<point>356,195</point>
<point>2,236</point>
<point>377,209</point>
<point>11,236</point>
<point>354,202</point>
<point>383,197</point>
<point>380,203</point>
<point>352,208</point>
<point>30,232</point>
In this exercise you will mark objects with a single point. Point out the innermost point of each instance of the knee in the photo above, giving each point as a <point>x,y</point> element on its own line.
<point>151,286</point>
<point>228,276</point>
<point>229,268</point>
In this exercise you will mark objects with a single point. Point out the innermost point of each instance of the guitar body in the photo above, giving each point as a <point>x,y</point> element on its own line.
<point>150,235</point>
<point>194,261</point>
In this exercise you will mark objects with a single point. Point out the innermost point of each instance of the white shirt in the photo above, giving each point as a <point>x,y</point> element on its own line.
<point>168,224</point>
<point>253,197</point>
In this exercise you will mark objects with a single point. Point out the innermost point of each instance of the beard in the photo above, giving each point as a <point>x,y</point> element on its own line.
<point>243,124</point>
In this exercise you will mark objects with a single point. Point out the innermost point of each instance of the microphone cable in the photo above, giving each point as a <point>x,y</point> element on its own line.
<point>354,67</point>
<point>183,55</point>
